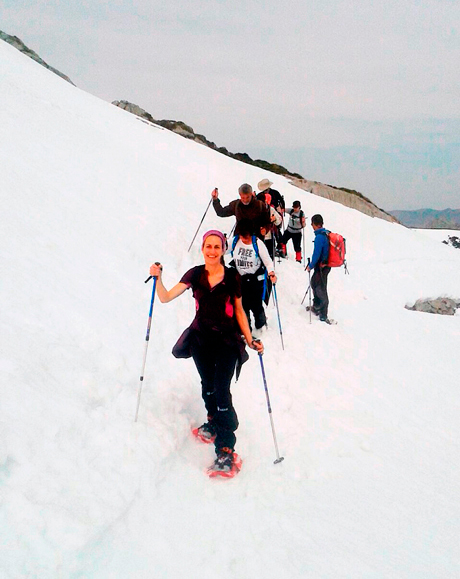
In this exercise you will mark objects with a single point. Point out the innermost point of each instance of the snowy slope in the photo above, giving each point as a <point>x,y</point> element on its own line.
<point>366,412</point>
<point>440,234</point>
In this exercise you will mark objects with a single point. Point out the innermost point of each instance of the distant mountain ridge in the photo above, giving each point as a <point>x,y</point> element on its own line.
<point>429,218</point>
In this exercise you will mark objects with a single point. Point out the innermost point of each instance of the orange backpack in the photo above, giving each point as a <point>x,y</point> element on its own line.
<point>337,250</point>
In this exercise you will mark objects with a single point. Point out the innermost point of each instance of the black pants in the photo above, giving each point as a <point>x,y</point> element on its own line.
<point>215,362</point>
<point>319,287</point>
<point>296,239</point>
<point>270,245</point>
<point>251,293</point>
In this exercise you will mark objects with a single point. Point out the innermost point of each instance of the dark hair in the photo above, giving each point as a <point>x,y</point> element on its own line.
<point>296,204</point>
<point>261,197</point>
<point>245,227</point>
<point>245,188</point>
<point>317,220</point>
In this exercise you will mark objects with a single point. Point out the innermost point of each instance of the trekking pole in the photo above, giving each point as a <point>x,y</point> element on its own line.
<point>303,245</point>
<point>309,283</point>
<point>305,295</point>
<point>202,219</point>
<point>146,342</point>
<point>275,297</point>
<point>309,290</point>
<point>278,457</point>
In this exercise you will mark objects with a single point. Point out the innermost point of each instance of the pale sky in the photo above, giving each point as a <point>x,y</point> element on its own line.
<point>358,94</point>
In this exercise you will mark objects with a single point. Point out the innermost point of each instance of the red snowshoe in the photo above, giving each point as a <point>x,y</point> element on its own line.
<point>226,465</point>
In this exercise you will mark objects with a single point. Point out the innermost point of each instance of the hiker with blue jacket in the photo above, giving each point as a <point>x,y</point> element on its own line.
<point>320,270</point>
<point>255,266</point>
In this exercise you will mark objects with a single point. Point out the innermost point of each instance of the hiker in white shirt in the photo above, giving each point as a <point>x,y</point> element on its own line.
<point>254,264</point>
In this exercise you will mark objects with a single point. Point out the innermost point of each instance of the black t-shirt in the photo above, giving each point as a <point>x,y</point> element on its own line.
<point>215,307</point>
<point>277,199</point>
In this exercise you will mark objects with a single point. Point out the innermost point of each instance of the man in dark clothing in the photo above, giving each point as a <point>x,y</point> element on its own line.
<point>276,199</point>
<point>246,207</point>
<point>320,270</point>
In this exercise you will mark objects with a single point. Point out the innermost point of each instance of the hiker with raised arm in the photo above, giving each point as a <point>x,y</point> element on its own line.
<point>214,341</point>
<point>246,207</point>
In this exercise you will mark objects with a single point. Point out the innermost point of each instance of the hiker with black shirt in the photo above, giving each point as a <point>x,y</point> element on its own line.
<point>276,199</point>
<point>269,234</point>
<point>320,270</point>
<point>253,263</point>
<point>294,231</point>
<point>214,341</point>
<point>246,207</point>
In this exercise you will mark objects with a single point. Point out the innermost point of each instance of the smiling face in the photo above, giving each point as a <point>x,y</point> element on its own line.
<point>212,249</point>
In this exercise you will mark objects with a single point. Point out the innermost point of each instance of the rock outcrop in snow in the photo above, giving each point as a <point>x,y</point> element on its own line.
<point>17,43</point>
<point>442,306</point>
<point>347,198</point>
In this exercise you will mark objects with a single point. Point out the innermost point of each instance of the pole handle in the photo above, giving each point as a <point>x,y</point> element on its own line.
<point>151,276</point>
<point>259,341</point>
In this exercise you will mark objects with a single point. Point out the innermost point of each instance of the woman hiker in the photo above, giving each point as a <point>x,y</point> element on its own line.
<point>214,341</point>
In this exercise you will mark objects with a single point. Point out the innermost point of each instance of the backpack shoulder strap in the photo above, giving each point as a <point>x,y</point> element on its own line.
<point>254,244</point>
<point>234,242</point>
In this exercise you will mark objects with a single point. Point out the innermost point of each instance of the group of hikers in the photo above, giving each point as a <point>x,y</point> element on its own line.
<point>226,296</point>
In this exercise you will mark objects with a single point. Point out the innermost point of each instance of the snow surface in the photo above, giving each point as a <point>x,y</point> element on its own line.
<point>440,234</point>
<point>366,412</point>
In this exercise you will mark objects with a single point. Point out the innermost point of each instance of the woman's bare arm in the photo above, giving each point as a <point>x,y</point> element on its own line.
<point>164,294</point>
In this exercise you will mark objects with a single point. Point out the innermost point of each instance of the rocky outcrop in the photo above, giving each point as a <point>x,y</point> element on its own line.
<point>17,43</point>
<point>135,110</point>
<point>442,306</point>
<point>346,197</point>
<point>186,131</point>
<point>453,241</point>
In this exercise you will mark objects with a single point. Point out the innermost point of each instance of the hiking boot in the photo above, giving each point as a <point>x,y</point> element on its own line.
<point>226,465</point>
<point>282,250</point>
<point>313,310</point>
<point>298,256</point>
<point>206,433</point>
<point>323,318</point>
<point>224,460</point>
